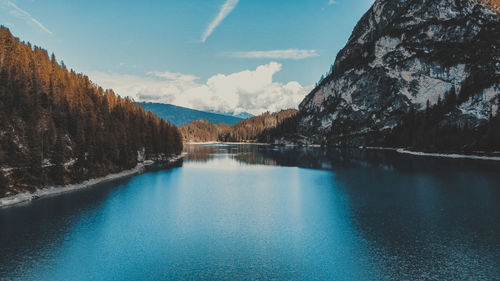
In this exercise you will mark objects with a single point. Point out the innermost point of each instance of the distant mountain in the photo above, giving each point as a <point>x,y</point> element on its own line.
<point>179,116</point>
<point>244,115</point>
<point>418,74</point>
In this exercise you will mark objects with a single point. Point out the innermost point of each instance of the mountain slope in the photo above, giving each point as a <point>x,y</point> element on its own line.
<point>179,116</point>
<point>405,58</point>
<point>57,127</point>
<point>248,130</point>
<point>244,115</point>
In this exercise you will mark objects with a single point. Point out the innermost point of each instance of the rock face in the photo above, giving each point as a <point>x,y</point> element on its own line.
<point>408,55</point>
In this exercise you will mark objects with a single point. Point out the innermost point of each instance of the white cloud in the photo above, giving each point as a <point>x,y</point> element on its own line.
<point>173,76</point>
<point>331,2</point>
<point>294,54</point>
<point>17,12</point>
<point>252,91</point>
<point>225,10</point>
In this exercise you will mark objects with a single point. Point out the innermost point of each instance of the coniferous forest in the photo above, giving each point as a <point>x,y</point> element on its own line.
<point>249,130</point>
<point>57,127</point>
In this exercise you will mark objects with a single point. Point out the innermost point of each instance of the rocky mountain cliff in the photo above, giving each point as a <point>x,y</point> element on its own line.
<point>404,58</point>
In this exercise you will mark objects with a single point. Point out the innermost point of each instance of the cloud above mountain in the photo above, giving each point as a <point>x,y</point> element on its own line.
<point>252,91</point>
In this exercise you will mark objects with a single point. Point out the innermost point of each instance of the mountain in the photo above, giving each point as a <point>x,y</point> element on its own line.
<point>244,115</point>
<point>180,115</point>
<point>57,127</point>
<point>248,130</point>
<point>419,74</point>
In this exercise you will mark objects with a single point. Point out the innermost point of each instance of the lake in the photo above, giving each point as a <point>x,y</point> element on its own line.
<point>245,212</point>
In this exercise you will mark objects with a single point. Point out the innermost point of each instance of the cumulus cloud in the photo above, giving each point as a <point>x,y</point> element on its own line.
<point>225,10</point>
<point>17,12</point>
<point>294,54</point>
<point>252,91</point>
<point>331,2</point>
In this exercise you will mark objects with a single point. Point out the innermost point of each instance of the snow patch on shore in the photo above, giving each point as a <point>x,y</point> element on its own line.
<point>53,190</point>
<point>454,156</point>
<point>442,155</point>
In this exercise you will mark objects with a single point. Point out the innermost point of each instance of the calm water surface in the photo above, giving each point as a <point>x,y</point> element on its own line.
<point>240,212</point>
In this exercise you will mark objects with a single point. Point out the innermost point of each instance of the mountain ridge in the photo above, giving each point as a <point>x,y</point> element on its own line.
<point>180,116</point>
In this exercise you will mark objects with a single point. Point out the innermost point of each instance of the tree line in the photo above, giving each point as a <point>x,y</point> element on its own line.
<point>430,130</point>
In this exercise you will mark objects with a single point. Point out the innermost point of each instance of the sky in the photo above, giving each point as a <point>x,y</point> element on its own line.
<point>220,55</point>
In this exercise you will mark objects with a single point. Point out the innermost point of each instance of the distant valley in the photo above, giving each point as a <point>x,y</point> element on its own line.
<point>179,116</point>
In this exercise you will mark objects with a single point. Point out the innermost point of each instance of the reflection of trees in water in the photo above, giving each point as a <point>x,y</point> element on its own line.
<point>443,212</point>
<point>312,158</point>
<point>199,153</point>
<point>388,160</point>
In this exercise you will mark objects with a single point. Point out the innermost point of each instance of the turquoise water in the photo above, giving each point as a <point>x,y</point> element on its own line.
<point>241,212</point>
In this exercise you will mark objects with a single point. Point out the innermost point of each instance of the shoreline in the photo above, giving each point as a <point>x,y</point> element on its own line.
<point>221,142</point>
<point>448,155</point>
<point>399,150</point>
<point>256,143</point>
<point>436,154</point>
<point>27,197</point>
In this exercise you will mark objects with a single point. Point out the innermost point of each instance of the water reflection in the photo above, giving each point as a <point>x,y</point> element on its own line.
<point>259,212</point>
<point>336,158</point>
<point>421,216</point>
<point>30,232</point>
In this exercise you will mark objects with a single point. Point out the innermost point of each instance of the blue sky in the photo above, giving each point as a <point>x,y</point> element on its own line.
<point>160,46</point>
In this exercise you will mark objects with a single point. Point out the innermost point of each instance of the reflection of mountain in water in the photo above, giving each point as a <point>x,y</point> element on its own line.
<point>320,158</point>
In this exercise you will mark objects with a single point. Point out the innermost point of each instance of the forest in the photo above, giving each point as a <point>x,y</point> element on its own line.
<point>428,130</point>
<point>57,127</point>
<point>248,130</point>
